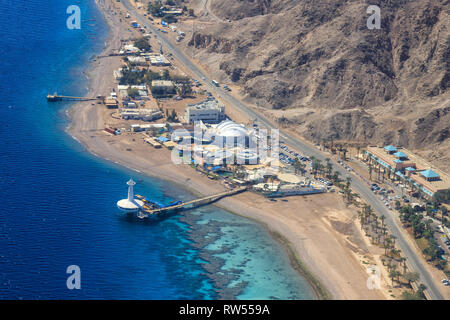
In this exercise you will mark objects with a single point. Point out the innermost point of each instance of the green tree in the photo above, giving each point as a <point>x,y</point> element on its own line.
<point>133,93</point>
<point>410,296</point>
<point>142,44</point>
<point>329,167</point>
<point>154,8</point>
<point>166,75</point>
<point>335,177</point>
<point>185,90</point>
<point>172,116</point>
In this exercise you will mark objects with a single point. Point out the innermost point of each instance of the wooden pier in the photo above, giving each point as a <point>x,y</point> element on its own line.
<point>147,211</point>
<point>55,98</point>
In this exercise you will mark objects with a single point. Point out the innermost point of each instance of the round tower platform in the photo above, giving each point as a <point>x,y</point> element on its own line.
<point>130,204</point>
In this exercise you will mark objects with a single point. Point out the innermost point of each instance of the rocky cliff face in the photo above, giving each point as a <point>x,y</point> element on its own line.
<point>381,86</point>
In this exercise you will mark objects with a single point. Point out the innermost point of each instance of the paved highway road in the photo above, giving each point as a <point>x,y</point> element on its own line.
<point>359,186</point>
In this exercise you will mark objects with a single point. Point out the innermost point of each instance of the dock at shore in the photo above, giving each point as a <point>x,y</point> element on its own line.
<point>147,210</point>
<point>56,98</point>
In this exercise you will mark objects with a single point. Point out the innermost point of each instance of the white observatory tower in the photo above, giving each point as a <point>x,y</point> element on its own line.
<point>130,204</point>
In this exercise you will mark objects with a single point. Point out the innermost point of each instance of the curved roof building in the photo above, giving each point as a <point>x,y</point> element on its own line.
<point>230,128</point>
<point>229,133</point>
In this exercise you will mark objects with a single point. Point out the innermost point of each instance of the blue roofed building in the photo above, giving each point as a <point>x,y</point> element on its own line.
<point>400,155</point>
<point>390,149</point>
<point>415,171</point>
<point>430,175</point>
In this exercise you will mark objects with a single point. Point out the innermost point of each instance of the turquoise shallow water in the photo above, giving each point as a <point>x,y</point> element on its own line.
<point>58,201</point>
<point>252,258</point>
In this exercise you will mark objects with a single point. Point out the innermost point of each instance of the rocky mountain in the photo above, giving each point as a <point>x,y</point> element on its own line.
<point>317,66</point>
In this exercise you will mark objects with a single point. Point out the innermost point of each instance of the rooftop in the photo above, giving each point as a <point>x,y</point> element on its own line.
<point>162,83</point>
<point>415,165</point>
<point>390,148</point>
<point>206,104</point>
<point>400,154</point>
<point>429,174</point>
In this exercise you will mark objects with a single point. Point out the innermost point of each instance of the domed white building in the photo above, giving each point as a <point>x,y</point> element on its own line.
<point>130,204</point>
<point>229,133</point>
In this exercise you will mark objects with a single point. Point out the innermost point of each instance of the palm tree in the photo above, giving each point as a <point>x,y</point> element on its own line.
<point>316,166</point>
<point>379,171</point>
<point>348,191</point>
<point>403,261</point>
<point>392,275</point>
<point>329,167</point>
<point>335,177</point>
<point>411,277</point>
<point>344,151</point>
<point>296,165</point>
<point>386,247</point>
<point>393,240</point>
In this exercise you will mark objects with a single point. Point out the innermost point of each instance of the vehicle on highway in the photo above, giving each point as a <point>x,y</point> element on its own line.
<point>359,187</point>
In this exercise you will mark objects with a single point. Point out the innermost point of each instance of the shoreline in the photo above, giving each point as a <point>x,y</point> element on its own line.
<point>85,120</point>
<point>319,290</point>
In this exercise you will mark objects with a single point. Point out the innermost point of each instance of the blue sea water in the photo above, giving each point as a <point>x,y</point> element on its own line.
<point>58,201</point>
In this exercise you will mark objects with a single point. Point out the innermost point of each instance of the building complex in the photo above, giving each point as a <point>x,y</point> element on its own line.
<point>414,170</point>
<point>208,111</point>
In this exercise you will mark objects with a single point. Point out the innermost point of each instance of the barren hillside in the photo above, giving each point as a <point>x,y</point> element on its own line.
<point>316,66</point>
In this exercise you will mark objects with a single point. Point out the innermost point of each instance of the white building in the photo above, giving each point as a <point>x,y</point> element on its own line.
<point>162,84</point>
<point>129,48</point>
<point>133,59</point>
<point>141,114</point>
<point>205,111</point>
<point>125,87</point>
<point>159,60</point>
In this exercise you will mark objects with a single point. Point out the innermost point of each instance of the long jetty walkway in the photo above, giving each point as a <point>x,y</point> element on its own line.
<point>193,203</point>
<point>55,97</point>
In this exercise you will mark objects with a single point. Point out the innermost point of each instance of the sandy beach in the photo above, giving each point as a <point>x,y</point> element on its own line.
<point>320,231</point>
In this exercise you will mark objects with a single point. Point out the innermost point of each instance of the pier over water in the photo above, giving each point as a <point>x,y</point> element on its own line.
<point>147,209</point>
<point>55,98</point>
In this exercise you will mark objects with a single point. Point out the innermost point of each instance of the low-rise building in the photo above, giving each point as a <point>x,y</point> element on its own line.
<point>155,144</point>
<point>129,48</point>
<point>130,105</point>
<point>111,103</point>
<point>174,12</point>
<point>137,60</point>
<point>159,61</point>
<point>162,84</point>
<point>205,111</point>
<point>414,170</point>
<point>141,114</point>
<point>123,89</point>
<point>162,88</point>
